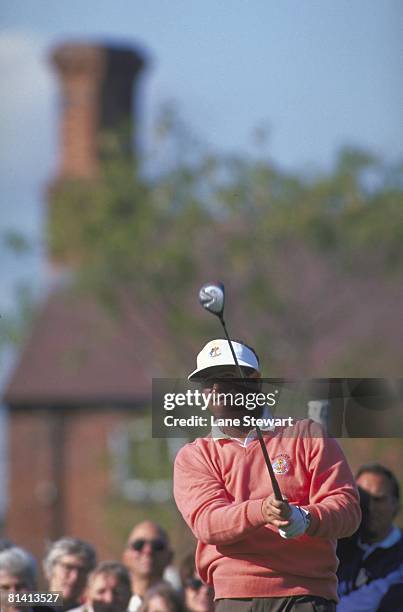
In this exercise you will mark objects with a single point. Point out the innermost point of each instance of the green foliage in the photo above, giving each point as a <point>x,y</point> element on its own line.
<point>123,228</point>
<point>15,325</point>
<point>16,242</point>
<point>293,251</point>
<point>240,219</point>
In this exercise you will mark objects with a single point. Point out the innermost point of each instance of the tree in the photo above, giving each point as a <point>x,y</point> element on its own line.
<point>298,254</point>
<point>311,264</point>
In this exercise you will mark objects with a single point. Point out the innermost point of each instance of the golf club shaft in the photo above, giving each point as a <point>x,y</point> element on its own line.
<point>274,483</point>
<point>231,347</point>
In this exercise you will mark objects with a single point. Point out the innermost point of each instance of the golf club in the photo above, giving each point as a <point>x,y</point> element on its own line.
<point>212,298</point>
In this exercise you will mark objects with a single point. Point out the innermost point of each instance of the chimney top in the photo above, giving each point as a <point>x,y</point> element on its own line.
<point>74,56</point>
<point>98,93</point>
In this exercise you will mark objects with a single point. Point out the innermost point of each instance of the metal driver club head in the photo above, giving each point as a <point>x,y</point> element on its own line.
<point>212,297</point>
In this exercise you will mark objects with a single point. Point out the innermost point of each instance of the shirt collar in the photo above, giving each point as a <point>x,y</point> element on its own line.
<point>134,603</point>
<point>391,539</point>
<point>218,434</point>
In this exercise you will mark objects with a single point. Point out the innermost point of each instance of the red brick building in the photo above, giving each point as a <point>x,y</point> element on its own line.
<point>79,392</point>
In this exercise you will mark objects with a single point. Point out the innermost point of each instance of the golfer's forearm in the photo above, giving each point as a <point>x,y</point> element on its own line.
<point>338,517</point>
<point>219,523</point>
<point>214,519</point>
<point>207,507</point>
<point>334,500</point>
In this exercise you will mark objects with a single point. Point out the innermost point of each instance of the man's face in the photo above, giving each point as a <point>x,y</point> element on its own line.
<point>382,506</point>
<point>12,584</point>
<point>227,390</point>
<point>69,575</point>
<point>107,594</point>
<point>147,553</point>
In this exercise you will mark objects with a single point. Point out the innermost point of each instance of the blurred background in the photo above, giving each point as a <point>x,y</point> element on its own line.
<point>147,148</point>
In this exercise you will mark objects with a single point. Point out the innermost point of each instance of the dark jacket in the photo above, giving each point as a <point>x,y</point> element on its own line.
<point>355,570</point>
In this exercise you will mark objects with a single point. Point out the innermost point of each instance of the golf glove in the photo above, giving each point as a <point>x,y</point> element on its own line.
<point>298,523</point>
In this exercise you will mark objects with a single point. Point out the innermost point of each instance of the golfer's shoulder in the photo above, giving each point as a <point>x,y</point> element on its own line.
<point>307,428</point>
<point>195,451</point>
<point>310,433</point>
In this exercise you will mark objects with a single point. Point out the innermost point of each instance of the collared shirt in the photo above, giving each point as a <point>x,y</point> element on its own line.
<point>134,603</point>
<point>371,575</point>
<point>83,608</point>
<point>218,434</point>
<point>391,539</point>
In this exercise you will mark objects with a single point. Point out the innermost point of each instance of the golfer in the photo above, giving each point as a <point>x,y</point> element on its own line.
<point>259,553</point>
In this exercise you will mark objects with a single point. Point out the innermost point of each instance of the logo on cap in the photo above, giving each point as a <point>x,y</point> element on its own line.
<point>215,351</point>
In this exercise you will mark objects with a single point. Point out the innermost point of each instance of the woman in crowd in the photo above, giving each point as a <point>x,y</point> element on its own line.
<point>198,597</point>
<point>161,598</point>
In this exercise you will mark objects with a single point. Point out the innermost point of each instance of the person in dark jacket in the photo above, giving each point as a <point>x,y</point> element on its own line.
<point>371,562</point>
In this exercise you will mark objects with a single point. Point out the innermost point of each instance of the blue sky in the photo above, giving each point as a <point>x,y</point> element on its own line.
<point>318,74</point>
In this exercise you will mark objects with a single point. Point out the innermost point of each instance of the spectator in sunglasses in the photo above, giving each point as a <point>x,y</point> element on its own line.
<point>146,556</point>
<point>198,596</point>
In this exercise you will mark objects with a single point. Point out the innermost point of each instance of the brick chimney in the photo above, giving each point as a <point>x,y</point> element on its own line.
<point>97,108</point>
<point>98,87</point>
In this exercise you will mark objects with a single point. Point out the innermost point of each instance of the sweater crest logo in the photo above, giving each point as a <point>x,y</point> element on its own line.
<point>281,464</point>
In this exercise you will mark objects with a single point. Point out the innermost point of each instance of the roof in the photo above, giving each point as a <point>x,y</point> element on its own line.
<point>79,353</point>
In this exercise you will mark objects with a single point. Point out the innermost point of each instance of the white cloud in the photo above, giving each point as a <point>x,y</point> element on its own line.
<point>28,91</point>
<point>27,148</point>
<point>24,71</point>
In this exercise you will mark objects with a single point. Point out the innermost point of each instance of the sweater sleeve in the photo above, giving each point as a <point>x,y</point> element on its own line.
<point>334,499</point>
<point>205,504</point>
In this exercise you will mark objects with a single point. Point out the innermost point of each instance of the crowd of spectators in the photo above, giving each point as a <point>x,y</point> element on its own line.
<point>145,580</point>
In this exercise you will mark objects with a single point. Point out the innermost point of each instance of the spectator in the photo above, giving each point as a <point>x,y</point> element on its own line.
<point>198,596</point>
<point>18,574</point>
<point>161,598</point>
<point>371,562</point>
<point>146,556</point>
<point>66,566</point>
<point>108,589</point>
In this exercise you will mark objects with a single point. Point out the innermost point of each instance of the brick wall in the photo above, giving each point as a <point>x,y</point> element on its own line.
<point>97,85</point>
<point>60,477</point>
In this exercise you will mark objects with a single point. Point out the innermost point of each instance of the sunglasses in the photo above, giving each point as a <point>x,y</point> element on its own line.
<point>156,545</point>
<point>220,377</point>
<point>70,567</point>
<point>227,381</point>
<point>194,583</point>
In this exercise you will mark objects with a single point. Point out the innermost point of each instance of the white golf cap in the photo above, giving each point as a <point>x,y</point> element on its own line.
<point>218,353</point>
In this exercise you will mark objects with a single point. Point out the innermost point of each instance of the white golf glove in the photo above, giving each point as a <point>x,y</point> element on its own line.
<point>298,523</point>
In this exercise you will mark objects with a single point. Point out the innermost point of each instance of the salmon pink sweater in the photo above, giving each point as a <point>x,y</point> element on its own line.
<point>219,487</point>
